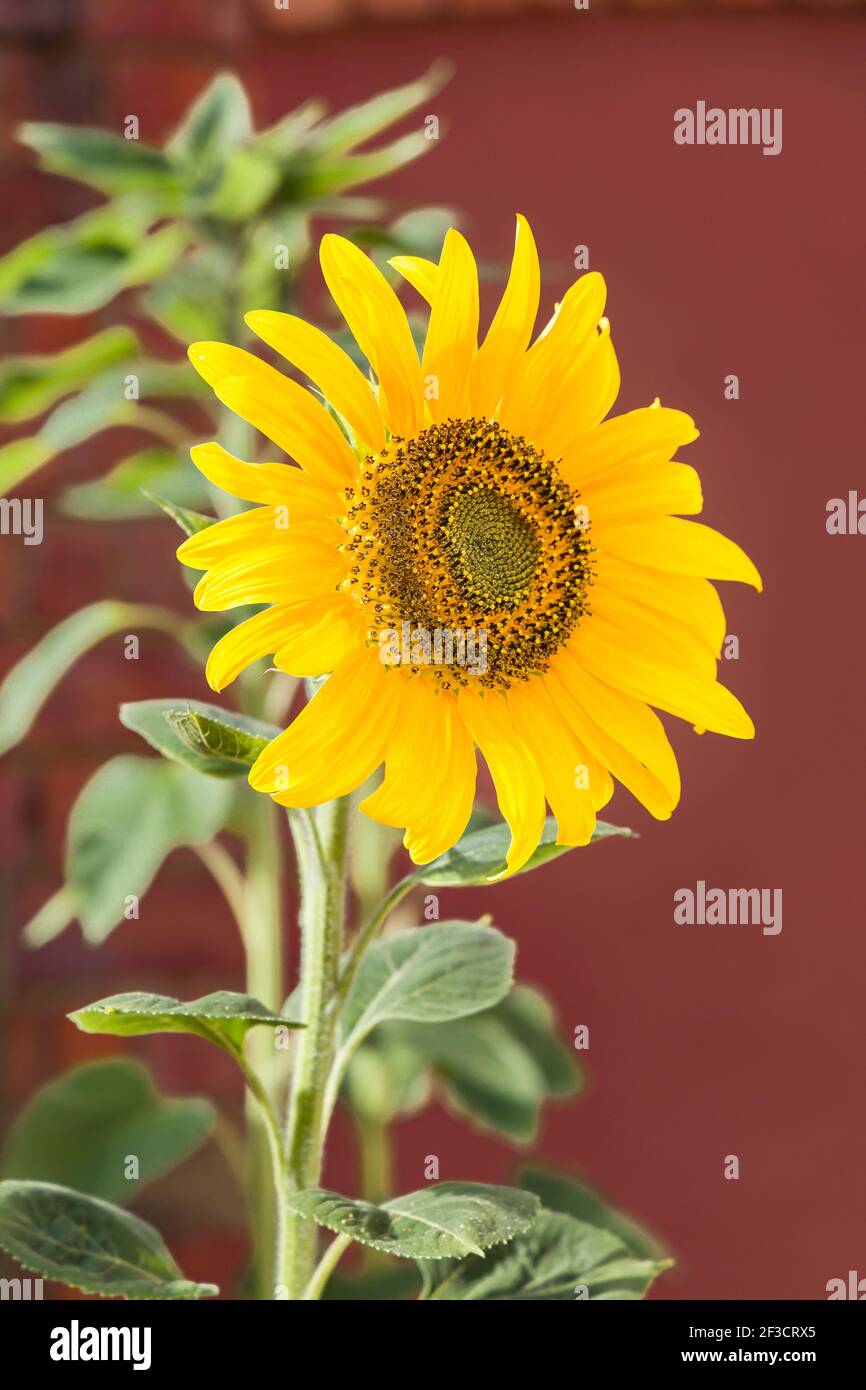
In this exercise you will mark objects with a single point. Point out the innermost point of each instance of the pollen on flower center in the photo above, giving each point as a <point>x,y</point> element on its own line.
<point>468,527</point>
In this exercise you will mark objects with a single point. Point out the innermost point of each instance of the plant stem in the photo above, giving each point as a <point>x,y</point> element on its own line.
<point>325,1268</point>
<point>320,839</point>
<point>368,933</point>
<point>263,946</point>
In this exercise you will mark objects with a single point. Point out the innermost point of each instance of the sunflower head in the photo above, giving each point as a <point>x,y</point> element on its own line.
<point>471,552</point>
<point>469,528</point>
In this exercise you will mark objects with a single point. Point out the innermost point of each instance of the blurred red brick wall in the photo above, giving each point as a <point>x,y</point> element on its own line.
<point>703,1043</point>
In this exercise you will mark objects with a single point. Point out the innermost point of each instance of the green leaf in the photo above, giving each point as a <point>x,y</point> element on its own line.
<point>328,178</point>
<point>479,856</point>
<point>125,491</point>
<point>559,1260</point>
<point>18,459</point>
<point>386,1078</point>
<point>29,684</point>
<point>499,1067</point>
<point>96,408</point>
<point>53,917</point>
<point>422,231</point>
<point>130,815</point>
<point>568,1194</point>
<point>283,140</point>
<point>247,184</point>
<point>445,1219</point>
<point>383,1282</point>
<point>531,1021</point>
<point>223,1018</point>
<point>218,122</point>
<point>432,974</point>
<point>30,385</point>
<point>89,1244</point>
<point>212,740</point>
<point>360,123</point>
<point>187,300</point>
<point>101,159</point>
<point>100,406</point>
<point>81,1130</point>
<point>79,266</point>
<point>190,522</point>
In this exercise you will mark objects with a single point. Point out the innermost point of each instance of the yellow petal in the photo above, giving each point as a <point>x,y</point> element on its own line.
<point>271,483</point>
<point>337,740</point>
<point>263,528</point>
<point>379,325</point>
<point>692,601</point>
<point>653,431</point>
<point>571,334</point>
<point>306,639</point>
<point>284,411</point>
<point>639,492</point>
<point>628,721</point>
<point>673,640</point>
<point>249,641</point>
<point>320,636</point>
<point>686,547</point>
<point>511,330</point>
<point>559,757</point>
<point>452,333</point>
<point>638,669</point>
<point>435,807</point>
<point>627,769</point>
<point>519,788</point>
<point>297,571</point>
<point>583,396</point>
<point>333,371</point>
<point>421,274</point>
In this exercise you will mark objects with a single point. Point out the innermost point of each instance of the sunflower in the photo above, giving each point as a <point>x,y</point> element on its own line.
<point>472,557</point>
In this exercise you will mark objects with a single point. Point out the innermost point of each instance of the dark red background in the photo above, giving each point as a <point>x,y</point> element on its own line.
<point>705,1041</point>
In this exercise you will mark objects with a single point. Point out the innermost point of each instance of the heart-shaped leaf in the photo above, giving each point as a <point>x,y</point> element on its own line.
<point>82,1129</point>
<point>222,1018</point>
<point>479,856</point>
<point>431,974</point>
<point>568,1194</point>
<point>131,814</point>
<point>89,1244</point>
<point>444,1220</point>
<point>499,1067</point>
<point>212,740</point>
<point>559,1260</point>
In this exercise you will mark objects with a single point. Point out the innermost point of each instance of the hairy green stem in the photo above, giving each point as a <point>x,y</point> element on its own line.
<point>370,931</point>
<point>263,947</point>
<point>325,1268</point>
<point>320,839</point>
